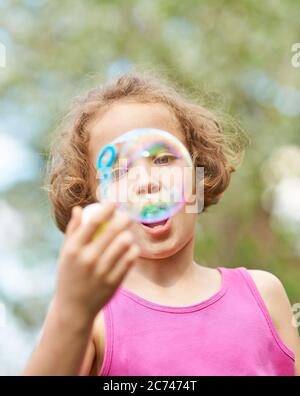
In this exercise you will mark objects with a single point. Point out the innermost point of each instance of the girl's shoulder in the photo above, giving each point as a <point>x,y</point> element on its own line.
<point>273,294</point>
<point>268,285</point>
<point>279,308</point>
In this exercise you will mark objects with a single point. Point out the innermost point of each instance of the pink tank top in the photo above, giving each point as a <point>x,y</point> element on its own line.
<point>231,333</point>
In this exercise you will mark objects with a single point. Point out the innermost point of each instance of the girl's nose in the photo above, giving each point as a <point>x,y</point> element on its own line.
<point>148,181</point>
<point>148,187</point>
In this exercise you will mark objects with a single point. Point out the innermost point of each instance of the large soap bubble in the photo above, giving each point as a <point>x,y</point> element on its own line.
<point>147,172</point>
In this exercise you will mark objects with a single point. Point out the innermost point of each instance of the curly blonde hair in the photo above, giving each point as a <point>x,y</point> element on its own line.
<point>69,170</point>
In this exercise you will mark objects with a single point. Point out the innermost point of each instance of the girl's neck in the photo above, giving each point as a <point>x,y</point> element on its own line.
<point>162,272</point>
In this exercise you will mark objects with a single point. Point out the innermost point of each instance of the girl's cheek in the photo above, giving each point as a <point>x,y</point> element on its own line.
<point>134,228</point>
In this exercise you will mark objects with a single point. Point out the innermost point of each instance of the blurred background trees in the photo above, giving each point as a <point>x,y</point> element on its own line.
<point>234,55</point>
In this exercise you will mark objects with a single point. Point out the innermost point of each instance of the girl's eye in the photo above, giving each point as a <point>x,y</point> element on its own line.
<point>164,159</point>
<point>117,173</point>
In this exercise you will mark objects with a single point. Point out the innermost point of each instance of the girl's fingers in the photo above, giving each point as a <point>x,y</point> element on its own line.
<point>113,253</point>
<point>119,271</point>
<point>86,232</point>
<point>74,221</point>
<point>119,223</point>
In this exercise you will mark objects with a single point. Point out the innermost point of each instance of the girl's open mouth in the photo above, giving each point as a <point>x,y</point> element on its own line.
<point>159,228</point>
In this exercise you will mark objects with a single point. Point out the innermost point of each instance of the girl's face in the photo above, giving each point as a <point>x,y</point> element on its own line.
<point>160,242</point>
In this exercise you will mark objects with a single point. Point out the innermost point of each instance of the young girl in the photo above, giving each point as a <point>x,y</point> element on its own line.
<point>132,301</point>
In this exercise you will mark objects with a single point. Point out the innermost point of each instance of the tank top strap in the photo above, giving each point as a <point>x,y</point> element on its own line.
<point>249,281</point>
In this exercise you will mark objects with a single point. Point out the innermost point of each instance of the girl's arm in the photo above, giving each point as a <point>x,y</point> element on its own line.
<point>63,345</point>
<point>280,310</point>
<point>89,360</point>
<point>90,270</point>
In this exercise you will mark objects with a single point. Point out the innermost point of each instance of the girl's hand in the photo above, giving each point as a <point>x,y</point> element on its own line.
<point>91,269</point>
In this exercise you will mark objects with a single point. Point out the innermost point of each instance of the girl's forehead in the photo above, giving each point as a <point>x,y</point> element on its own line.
<point>123,117</point>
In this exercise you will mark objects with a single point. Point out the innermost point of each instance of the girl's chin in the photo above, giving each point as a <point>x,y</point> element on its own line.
<point>159,250</point>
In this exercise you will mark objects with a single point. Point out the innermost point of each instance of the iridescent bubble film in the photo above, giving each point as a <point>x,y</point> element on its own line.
<point>147,172</point>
